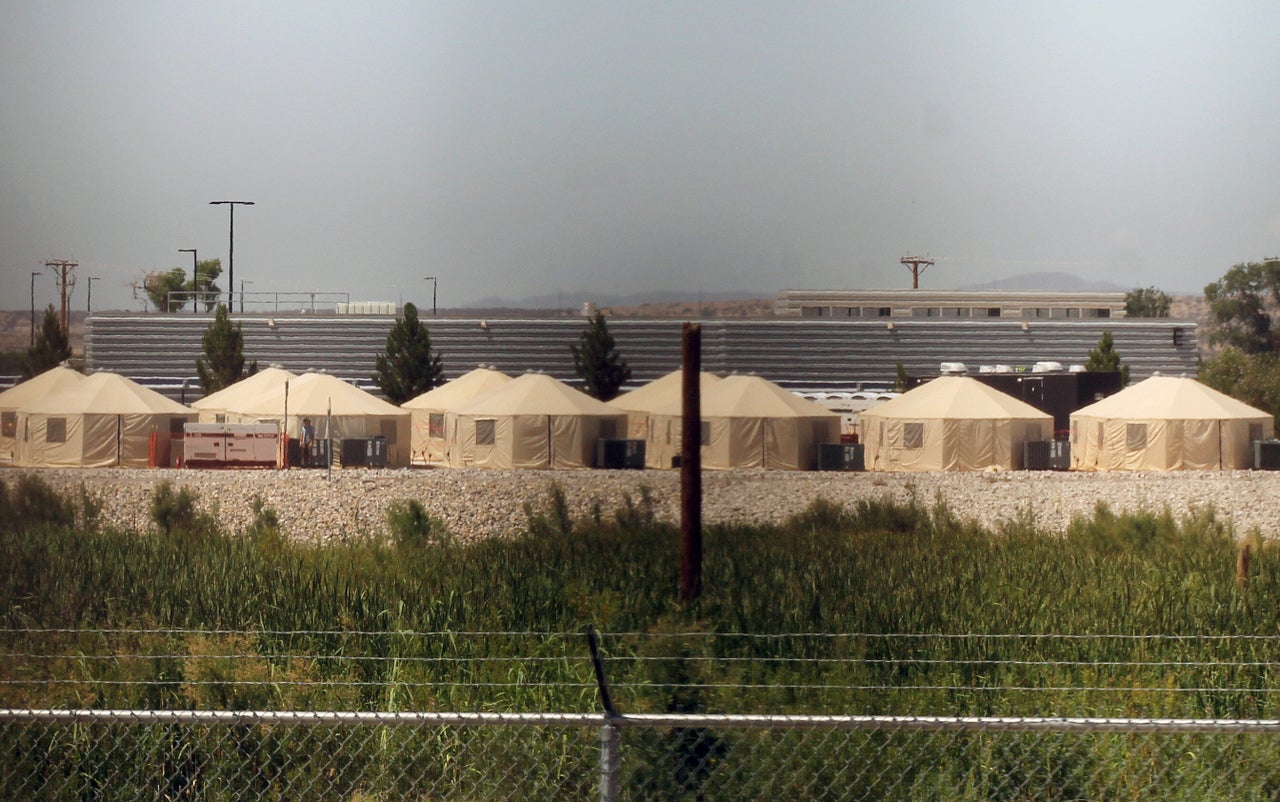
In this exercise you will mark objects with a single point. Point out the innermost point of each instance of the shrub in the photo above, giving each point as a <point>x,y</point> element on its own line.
<point>411,527</point>
<point>175,513</point>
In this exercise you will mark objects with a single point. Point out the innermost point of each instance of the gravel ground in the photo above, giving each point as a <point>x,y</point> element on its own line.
<point>483,503</point>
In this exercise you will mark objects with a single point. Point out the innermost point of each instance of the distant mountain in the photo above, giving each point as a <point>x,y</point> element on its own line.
<point>575,300</point>
<point>1047,282</point>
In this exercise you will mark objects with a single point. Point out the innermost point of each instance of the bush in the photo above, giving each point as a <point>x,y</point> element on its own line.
<point>412,528</point>
<point>32,503</point>
<point>175,513</point>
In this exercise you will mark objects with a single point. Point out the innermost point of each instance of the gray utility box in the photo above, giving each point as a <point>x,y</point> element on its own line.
<point>367,451</point>
<point>841,457</point>
<point>617,454</point>
<point>1046,455</point>
<point>1266,455</point>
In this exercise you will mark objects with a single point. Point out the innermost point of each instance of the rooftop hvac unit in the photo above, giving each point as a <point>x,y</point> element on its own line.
<point>841,457</point>
<point>619,454</point>
<point>1047,367</point>
<point>954,369</point>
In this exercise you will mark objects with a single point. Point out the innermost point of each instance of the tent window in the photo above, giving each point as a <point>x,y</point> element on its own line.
<point>608,428</point>
<point>705,433</point>
<point>8,423</point>
<point>56,430</point>
<point>1255,431</point>
<point>485,432</point>
<point>1032,432</point>
<point>389,430</point>
<point>176,425</point>
<point>220,418</point>
<point>435,424</point>
<point>1135,436</point>
<point>1075,435</point>
<point>913,435</point>
<point>819,431</point>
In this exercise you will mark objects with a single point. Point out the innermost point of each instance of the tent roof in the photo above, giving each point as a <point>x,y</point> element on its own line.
<point>1170,398</point>
<point>751,397</point>
<point>955,398</point>
<point>37,387</point>
<point>460,391</point>
<point>537,394</point>
<point>316,394</point>
<point>661,391</point>
<point>107,394</point>
<point>246,390</point>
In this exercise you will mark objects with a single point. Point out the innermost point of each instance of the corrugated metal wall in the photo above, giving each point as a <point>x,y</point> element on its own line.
<point>162,349</point>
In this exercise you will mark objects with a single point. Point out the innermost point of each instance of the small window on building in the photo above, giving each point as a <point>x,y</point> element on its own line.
<point>177,425</point>
<point>705,433</point>
<point>813,311</point>
<point>56,430</point>
<point>221,417</point>
<point>485,431</point>
<point>435,424</point>
<point>913,435</point>
<point>1075,436</point>
<point>1135,436</point>
<point>608,428</point>
<point>993,311</point>
<point>853,311</point>
<point>1058,312</point>
<point>884,311</point>
<point>388,430</point>
<point>8,424</point>
<point>1073,312</point>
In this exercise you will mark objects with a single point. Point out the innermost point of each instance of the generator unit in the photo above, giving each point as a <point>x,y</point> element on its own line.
<point>230,445</point>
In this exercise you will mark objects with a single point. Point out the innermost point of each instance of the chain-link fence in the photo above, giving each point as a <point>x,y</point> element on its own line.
<point>646,731</point>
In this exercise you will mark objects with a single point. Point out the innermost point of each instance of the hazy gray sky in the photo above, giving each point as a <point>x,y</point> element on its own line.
<point>514,148</point>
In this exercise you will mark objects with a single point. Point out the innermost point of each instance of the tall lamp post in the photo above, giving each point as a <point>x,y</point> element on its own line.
<point>231,250</point>
<point>195,278</point>
<point>89,303</point>
<point>33,308</point>
<point>434,284</point>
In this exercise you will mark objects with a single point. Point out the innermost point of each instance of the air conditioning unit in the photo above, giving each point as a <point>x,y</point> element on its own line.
<point>1035,455</point>
<point>1266,455</point>
<point>841,457</point>
<point>620,454</point>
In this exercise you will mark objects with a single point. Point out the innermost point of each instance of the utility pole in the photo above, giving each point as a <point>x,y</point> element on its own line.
<point>231,252</point>
<point>917,265</point>
<point>65,272</point>
<point>89,303</point>
<point>33,307</point>
<point>434,282</point>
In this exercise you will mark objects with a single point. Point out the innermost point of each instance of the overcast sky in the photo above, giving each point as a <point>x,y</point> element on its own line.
<point>518,148</point>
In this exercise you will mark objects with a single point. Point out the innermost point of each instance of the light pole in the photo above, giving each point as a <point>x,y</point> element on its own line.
<point>231,249</point>
<point>33,308</point>
<point>89,303</point>
<point>195,278</point>
<point>434,283</point>
<point>242,283</point>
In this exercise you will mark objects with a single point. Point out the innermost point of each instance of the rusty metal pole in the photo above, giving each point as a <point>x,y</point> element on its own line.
<point>691,465</point>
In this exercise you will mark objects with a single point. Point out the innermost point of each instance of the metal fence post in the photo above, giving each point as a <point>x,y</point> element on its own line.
<point>610,761</point>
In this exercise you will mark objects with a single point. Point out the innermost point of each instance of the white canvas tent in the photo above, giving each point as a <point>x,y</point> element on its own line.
<point>429,439</point>
<point>28,393</point>
<point>1167,423</point>
<point>642,402</point>
<point>104,420</point>
<point>533,421</point>
<point>953,423</point>
<point>747,422</point>
<point>213,407</point>
<point>338,411</point>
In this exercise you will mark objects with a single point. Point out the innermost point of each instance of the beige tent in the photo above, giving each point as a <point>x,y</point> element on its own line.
<point>747,422</point>
<point>428,439</point>
<point>953,423</point>
<point>213,407</point>
<point>338,411</point>
<point>640,403</point>
<point>533,421</point>
<point>28,393</point>
<point>1167,423</point>
<point>102,421</point>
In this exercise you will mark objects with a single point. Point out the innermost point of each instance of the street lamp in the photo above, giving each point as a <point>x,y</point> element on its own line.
<point>89,304</point>
<point>33,308</point>
<point>195,278</point>
<point>434,284</point>
<point>231,250</point>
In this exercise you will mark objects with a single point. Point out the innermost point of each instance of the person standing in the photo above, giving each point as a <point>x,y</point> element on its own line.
<point>308,440</point>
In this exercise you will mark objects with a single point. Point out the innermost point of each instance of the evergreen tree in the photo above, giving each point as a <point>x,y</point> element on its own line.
<point>223,362</point>
<point>597,361</point>
<point>1104,357</point>
<point>408,368</point>
<point>52,347</point>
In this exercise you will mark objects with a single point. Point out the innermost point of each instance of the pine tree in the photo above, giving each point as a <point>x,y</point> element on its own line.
<point>1104,357</point>
<point>597,361</point>
<point>52,347</point>
<point>223,362</point>
<point>408,368</point>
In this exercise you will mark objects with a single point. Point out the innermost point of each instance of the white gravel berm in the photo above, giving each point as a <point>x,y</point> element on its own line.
<point>484,503</point>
